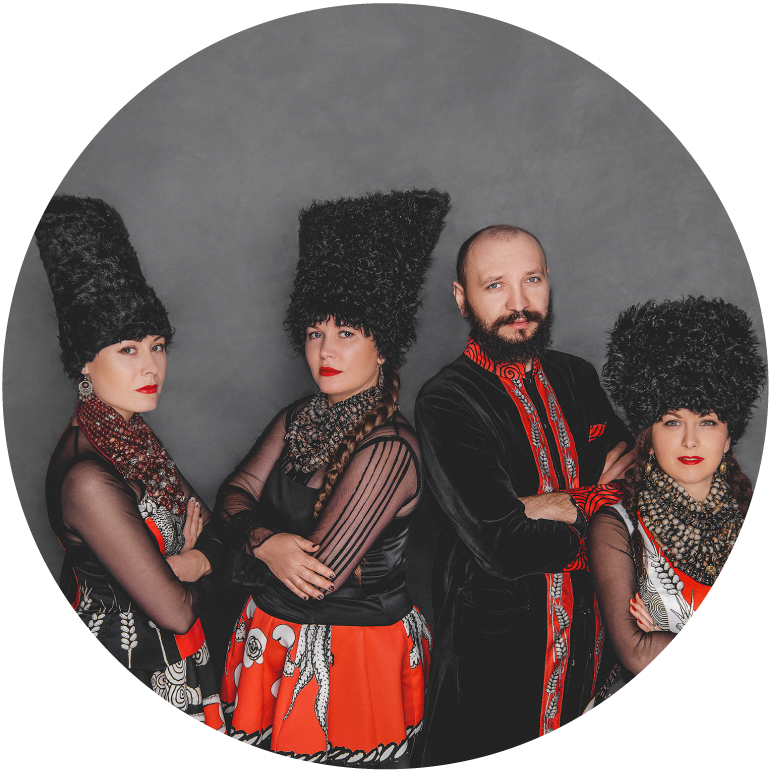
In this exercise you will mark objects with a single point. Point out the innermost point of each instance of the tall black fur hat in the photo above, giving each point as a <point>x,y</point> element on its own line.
<point>693,353</point>
<point>100,294</point>
<point>362,262</point>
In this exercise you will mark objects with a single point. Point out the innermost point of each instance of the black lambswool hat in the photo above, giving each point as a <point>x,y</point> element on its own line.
<point>100,294</point>
<point>693,353</point>
<point>362,262</point>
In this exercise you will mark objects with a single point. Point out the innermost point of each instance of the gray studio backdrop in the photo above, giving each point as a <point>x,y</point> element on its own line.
<point>211,163</point>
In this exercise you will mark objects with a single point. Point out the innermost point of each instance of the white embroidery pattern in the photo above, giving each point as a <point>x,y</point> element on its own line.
<point>417,629</point>
<point>314,659</point>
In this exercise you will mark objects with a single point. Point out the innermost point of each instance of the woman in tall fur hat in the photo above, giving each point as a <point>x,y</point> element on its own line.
<point>687,374</point>
<point>134,532</point>
<point>329,657</point>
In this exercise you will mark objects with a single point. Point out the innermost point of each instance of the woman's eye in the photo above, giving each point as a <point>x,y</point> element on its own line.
<point>672,423</point>
<point>314,335</point>
<point>345,333</point>
<point>159,348</point>
<point>129,349</point>
<point>708,423</point>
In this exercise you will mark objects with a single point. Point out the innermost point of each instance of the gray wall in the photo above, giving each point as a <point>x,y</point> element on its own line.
<point>211,163</point>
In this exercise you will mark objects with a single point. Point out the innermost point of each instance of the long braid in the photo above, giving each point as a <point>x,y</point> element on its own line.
<point>378,415</point>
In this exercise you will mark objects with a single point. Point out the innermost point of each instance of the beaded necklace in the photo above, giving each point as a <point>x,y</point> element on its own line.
<point>318,428</point>
<point>697,535</point>
<point>133,449</point>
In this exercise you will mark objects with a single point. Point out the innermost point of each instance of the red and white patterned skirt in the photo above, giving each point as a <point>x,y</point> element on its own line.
<point>327,693</point>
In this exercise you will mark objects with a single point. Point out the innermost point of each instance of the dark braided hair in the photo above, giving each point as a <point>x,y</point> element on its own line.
<point>377,416</point>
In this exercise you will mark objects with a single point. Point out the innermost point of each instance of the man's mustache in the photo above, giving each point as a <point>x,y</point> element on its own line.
<point>514,317</point>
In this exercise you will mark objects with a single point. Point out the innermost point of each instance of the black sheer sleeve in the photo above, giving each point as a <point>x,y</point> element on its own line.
<point>208,543</point>
<point>380,482</point>
<point>102,511</point>
<point>238,498</point>
<point>612,566</point>
<point>466,476</point>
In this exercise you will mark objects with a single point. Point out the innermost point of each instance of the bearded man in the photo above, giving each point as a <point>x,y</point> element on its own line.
<point>503,429</point>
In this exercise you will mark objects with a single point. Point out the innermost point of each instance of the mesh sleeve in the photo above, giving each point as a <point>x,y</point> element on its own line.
<point>612,566</point>
<point>209,543</point>
<point>379,483</point>
<point>103,512</point>
<point>238,498</point>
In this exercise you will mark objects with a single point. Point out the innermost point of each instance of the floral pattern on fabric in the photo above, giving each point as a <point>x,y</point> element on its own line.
<point>277,690</point>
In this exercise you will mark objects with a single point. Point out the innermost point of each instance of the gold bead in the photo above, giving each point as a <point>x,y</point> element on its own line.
<point>723,467</point>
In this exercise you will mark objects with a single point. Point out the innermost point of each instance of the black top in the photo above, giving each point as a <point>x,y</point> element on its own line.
<point>113,563</point>
<point>365,521</point>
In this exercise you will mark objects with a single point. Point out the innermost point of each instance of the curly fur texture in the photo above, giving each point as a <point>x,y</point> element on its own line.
<point>363,262</point>
<point>100,294</point>
<point>693,353</point>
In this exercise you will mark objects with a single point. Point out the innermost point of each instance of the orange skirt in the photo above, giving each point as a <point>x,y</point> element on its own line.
<point>327,693</point>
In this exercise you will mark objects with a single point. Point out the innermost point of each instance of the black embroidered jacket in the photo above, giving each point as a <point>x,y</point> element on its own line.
<point>517,632</point>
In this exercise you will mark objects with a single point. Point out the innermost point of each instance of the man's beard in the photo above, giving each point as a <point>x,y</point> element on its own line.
<point>506,351</point>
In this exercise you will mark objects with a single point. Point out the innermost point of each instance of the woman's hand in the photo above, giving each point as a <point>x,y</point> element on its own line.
<point>193,525</point>
<point>190,565</point>
<point>289,558</point>
<point>640,612</point>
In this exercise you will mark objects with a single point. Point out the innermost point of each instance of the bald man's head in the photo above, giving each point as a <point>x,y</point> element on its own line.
<point>494,232</point>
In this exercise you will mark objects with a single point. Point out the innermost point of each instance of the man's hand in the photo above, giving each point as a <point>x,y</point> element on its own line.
<point>555,506</point>
<point>616,463</point>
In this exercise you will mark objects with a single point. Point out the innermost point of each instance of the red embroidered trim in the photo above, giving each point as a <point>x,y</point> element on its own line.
<point>598,429</point>
<point>559,599</point>
<point>589,500</point>
<point>593,498</point>
<point>511,376</point>
<point>559,427</point>
<point>478,356</point>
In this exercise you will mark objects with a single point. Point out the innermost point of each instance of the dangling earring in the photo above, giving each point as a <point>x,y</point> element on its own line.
<point>649,465</point>
<point>381,379</point>
<point>85,388</point>
<point>723,467</point>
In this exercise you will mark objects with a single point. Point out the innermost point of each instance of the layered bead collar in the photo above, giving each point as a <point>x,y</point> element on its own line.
<point>696,535</point>
<point>318,427</point>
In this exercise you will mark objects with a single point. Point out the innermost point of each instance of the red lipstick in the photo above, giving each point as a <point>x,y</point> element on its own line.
<point>328,372</point>
<point>690,460</point>
<point>148,389</point>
